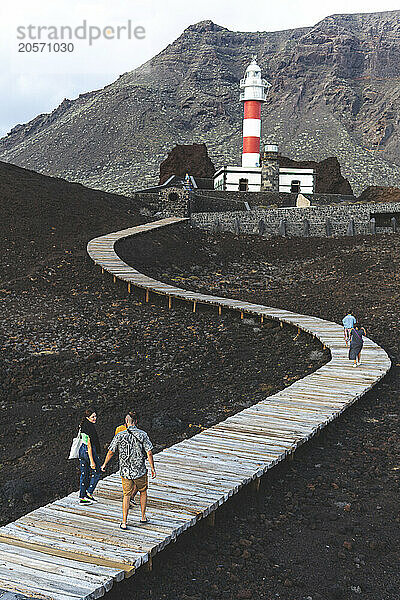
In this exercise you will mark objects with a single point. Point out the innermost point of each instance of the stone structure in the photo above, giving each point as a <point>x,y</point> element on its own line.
<point>187,158</point>
<point>273,213</point>
<point>321,221</point>
<point>277,199</point>
<point>174,202</point>
<point>270,169</point>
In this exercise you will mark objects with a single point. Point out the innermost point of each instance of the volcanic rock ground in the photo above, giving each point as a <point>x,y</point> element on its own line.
<point>69,338</point>
<point>325,526</point>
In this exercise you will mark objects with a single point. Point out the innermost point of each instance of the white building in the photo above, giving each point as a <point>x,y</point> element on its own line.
<point>242,179</point>
<point>297,181</point>
<point>247,179</point>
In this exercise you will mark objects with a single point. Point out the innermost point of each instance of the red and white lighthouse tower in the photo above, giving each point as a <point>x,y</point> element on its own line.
<point>253,93</point>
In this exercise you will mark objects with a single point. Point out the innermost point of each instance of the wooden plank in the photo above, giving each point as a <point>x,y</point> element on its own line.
<point>66,547</point>
<point>48,527</point>
<point>60,565</point>
<point>33,580</point>
<point>168,524</point>
<point>140,540</point>
<point>21,588</point>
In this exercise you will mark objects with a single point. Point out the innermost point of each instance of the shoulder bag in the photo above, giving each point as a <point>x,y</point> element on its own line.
<point>75,446</point>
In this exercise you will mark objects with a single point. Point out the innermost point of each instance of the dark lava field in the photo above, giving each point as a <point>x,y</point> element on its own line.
<point>327,525</point>
<point>323,526</point>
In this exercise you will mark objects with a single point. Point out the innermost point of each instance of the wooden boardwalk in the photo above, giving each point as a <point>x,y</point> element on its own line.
<point>66,551</point>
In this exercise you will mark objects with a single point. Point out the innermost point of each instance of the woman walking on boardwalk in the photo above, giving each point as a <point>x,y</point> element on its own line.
<point>89,460</point>
<point>356,343</point>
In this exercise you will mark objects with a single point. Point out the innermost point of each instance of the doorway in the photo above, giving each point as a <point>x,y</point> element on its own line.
<point>295,186</point>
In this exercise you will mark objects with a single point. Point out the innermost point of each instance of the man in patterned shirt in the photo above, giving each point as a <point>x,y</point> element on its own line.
<point>133,446</point>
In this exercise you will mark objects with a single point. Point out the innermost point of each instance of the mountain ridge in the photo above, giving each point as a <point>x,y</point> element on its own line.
<point>335,92</point>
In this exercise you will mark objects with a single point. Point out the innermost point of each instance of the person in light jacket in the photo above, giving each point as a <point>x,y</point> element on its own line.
<point>348,323</point>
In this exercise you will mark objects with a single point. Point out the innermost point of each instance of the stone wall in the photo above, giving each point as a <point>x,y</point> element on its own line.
<point>319,221</point>
<point>174,202</point>
<point>278,199</point>
<point>205,203</point>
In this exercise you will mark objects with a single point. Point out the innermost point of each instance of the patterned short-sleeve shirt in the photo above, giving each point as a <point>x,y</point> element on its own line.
<point>132,446</point>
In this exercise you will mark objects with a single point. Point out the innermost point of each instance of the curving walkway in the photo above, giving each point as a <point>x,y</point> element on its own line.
<point>65,551</point>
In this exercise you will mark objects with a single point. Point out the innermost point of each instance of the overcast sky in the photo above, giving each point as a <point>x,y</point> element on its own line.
<point>34,83</point>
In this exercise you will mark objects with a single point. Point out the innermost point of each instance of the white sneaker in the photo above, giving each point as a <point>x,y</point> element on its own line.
<point>354,365</point>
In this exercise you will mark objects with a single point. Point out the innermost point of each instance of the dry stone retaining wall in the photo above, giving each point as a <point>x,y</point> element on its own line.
<point>173,201</point>
<point>294,222</point>
<point>268,198</point>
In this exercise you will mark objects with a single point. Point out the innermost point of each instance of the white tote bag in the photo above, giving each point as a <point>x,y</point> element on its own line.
<point>75,446</point>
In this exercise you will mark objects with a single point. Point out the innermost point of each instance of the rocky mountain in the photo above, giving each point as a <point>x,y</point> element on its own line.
<point>335,92</point>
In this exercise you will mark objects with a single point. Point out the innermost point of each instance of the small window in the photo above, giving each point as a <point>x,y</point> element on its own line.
<point>243,185</point>
<point>173,196</point>
<point>295,186</point>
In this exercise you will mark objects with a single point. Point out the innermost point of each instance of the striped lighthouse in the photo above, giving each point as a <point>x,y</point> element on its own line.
<point>253,93</point>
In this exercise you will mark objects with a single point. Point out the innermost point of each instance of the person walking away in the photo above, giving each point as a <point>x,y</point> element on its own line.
<point>356,343</point>
<point>89,460</point>
<point>118,430</point>
<point>133,446</point>
<point>348,323</point>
